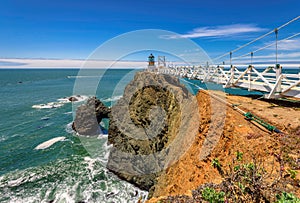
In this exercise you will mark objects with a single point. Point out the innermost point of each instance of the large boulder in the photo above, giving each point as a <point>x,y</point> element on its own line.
<point>150,127</point>
<point>89,115</point>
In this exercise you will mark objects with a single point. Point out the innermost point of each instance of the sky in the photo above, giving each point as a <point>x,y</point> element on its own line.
<point>74,29</point>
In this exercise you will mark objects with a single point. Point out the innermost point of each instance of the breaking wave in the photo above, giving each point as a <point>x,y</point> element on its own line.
<point>60,102</point>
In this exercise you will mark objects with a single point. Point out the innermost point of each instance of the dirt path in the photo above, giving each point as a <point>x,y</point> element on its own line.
<point>284,115</point>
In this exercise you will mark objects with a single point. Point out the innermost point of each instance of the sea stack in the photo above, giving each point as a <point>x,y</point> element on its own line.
<point>88,117</point>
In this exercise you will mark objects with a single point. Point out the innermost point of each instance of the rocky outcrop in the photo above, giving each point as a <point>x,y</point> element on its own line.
<point>150,127</point>
<point>72,99</point>
<point>88,117</point>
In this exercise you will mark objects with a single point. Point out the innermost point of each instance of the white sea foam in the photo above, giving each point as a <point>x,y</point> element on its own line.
<point>107,149</point>
<point>13,183</point>
<point>90,162</point>
<point>112,99</point>
<point>60,102</point>
<point>112,193</point>
<point>102,136</point>
<point>102,186</point>
<point>66,197</point>
<point>50,105</point>
<point>69,128</point>
<point>63,100</point>
<point>82,76</point>
<point>49,143</point>
<point>2,139</point>
<point>45,118</point>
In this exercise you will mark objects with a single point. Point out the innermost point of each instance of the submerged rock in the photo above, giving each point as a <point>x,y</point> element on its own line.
<point>88,117</point>
<point>150,127</point>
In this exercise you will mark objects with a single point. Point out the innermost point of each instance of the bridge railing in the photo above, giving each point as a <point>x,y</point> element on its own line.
<point>270,80</point>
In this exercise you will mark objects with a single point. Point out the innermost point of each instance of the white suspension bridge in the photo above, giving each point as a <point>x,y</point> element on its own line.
<point>271,80</point>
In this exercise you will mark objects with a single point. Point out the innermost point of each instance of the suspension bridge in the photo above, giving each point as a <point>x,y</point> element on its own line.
<point>272,80</point>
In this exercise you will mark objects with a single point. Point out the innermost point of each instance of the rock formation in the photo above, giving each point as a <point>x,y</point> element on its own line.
<point>88,117</point>
<point>150,127</point>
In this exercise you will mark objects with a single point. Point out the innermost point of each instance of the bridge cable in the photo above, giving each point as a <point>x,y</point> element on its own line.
<point>267,46</point>
<point>262,36</point>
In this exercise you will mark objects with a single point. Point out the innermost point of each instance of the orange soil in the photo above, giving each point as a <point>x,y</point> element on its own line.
<point>237,134</point>
<point>285,118</point>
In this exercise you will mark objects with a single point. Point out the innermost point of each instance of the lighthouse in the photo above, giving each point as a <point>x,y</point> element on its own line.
<point>151,63</point>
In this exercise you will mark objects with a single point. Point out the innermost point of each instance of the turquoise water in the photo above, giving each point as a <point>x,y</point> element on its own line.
<point>66,171</point>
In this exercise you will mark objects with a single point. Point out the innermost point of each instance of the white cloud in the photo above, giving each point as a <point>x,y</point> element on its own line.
<point>270,58</point>
<point>219,31</point>
<point>68,63</point>
<point>283,57</point>
<point>294,55</point>
<point>288,45</point>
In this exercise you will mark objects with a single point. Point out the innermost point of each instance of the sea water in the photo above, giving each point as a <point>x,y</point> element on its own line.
<point>65,171</point>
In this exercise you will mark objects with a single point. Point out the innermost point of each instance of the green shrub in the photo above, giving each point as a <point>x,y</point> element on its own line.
<point>287,198</point>
<point>212,196</point>
<point>239,156</point>
<point>216,164</point>
<point>292,173</point>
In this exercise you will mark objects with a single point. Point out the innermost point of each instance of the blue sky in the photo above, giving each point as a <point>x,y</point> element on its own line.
<point>73,29</point>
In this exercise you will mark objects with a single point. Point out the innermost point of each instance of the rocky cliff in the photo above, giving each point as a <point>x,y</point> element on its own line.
<point>186,180</point>
<point>150,127</point>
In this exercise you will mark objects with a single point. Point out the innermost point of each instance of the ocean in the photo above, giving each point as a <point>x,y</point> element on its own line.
<point>72,169</point>
<point>66,171</point>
